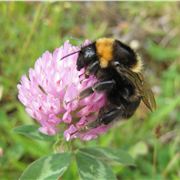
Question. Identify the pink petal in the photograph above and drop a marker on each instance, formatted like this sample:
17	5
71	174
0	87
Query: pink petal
69	132
67	118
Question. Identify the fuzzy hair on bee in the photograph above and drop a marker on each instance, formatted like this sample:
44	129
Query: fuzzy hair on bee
119	72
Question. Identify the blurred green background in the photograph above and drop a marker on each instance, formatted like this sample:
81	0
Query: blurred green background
27	29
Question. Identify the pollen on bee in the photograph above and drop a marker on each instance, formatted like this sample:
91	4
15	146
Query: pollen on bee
104	47
103	63
138	66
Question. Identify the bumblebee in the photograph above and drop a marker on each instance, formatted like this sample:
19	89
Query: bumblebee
119	72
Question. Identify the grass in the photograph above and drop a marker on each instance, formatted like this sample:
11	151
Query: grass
29	28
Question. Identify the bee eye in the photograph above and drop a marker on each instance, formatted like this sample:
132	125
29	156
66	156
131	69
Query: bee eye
89	52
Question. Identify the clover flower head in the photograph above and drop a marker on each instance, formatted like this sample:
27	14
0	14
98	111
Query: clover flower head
49	94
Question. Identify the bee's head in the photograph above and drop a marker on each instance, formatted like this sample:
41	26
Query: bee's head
86	56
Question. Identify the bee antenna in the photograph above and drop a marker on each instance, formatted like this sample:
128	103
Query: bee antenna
70	54
81	46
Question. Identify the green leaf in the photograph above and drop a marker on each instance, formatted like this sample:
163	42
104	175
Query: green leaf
33	132
164	111
140	148
107	154
47	168
91	168
162	54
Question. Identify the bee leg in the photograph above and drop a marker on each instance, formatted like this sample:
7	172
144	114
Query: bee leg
86	93
98	87
111	115
92	68
105	85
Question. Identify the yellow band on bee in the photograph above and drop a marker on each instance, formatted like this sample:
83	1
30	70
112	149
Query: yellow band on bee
104	47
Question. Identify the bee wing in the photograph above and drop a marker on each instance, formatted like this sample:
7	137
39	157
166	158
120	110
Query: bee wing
145	91
142	86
